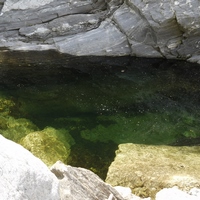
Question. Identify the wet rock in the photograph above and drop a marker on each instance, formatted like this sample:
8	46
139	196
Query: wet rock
17	128
148	169
23	176
49	145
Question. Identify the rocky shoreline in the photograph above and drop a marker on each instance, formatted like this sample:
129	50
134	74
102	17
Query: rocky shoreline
23	176
167	29
164	29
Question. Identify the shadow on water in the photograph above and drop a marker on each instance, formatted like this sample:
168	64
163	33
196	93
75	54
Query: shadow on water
100	102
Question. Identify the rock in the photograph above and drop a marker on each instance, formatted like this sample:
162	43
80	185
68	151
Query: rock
174	194
110	42
148	169
17	128
195	192
79	183
126	193
49	144
168	29
23	176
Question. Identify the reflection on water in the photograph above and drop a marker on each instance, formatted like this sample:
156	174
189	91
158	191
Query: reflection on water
79	109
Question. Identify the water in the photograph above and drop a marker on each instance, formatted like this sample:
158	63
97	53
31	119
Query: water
79	109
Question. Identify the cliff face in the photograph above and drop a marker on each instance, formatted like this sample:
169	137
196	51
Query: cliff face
149	28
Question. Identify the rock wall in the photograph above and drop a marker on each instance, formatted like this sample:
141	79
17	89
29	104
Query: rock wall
166	28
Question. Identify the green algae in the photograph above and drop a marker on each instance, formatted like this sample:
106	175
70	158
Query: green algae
75	114
6	105
50	145
149	128
18	128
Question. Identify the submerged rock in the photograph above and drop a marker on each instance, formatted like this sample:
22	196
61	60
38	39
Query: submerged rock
142	129
23	176
49	145
148	169
15	129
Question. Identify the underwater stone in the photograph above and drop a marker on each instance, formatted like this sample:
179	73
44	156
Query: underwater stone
5	106
23	176
148	169
49	145
142	129
17	128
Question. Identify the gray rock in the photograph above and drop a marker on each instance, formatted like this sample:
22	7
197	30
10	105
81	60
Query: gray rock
168	28
148	169
80	183
111	41
23	176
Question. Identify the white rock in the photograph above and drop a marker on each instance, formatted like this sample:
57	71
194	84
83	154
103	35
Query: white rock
195	192
23	176
174	194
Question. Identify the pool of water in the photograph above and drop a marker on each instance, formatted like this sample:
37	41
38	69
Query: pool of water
78	109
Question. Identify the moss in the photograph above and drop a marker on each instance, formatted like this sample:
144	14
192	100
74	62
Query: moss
6	105
50	145
15	129
147	128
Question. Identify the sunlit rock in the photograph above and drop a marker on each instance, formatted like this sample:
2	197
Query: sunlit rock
175	194
111	41
80	183
148	169
23	176
49	145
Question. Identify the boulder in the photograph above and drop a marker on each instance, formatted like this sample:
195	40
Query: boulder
147	169
79	183
23	176
126	193
167	28
176	194
49	144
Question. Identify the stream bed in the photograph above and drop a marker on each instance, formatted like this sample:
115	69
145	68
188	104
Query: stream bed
79	109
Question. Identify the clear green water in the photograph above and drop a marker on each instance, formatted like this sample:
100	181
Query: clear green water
79	109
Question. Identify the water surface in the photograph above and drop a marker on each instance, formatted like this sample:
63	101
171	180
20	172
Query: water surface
78	109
